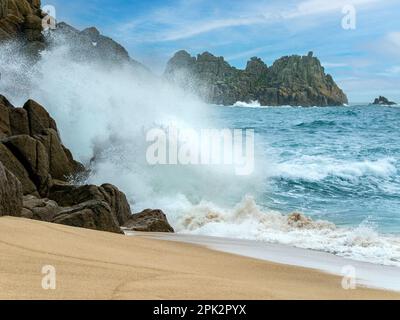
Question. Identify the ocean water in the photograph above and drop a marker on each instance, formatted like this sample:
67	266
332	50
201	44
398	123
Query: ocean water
338	167
340	164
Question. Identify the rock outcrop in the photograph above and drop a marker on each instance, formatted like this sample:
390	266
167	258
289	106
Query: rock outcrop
68	196
90	45
149	221
291	80
36	171
31	148
382	101
39	209
96	215
22	20
10	193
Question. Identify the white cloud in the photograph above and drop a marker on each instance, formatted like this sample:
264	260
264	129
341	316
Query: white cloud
334	64
393	71
313	7
393	40
183	21
207	26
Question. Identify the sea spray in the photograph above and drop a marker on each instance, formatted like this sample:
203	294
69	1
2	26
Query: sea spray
104	112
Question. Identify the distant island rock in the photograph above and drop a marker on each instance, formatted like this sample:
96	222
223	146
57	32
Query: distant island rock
382	101
291	80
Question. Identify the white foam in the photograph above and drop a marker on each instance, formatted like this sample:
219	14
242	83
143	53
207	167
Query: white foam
315	168
104	112
249	221
251	104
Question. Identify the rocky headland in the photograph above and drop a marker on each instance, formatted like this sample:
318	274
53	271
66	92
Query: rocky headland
291	80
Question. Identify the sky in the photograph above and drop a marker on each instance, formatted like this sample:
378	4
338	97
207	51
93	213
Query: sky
357	41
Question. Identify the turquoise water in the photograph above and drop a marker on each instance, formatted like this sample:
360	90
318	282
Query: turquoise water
339	164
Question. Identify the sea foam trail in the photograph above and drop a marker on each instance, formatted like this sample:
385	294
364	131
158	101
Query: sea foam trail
103	114
248	221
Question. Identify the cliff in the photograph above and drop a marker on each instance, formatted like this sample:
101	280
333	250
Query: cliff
291	80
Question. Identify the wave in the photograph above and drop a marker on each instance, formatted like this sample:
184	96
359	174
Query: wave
251	104
103	113
317	168
248	221
316	124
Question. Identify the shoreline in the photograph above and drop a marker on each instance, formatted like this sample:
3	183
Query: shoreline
100	265
369	275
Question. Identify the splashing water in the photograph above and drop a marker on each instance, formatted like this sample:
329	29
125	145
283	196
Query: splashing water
105	111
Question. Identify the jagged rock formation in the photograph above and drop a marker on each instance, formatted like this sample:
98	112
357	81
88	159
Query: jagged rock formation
382	101
36	171
31	147
291	80
22	20
90	45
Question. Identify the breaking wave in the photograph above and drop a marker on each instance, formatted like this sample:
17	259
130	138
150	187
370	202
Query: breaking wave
249	221
103	114
251	104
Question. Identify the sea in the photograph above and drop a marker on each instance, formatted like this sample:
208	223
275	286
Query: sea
337	168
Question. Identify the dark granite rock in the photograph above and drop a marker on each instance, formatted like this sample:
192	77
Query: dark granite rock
382	101
10	193
22	20
39	209
94	215
33	156
149	221
69	195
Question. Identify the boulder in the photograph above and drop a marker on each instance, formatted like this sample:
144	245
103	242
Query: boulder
19	122
39	119
10	193
5	109
39	209
62	165
32	154
149	221
14	166
93	214
70	195
118	203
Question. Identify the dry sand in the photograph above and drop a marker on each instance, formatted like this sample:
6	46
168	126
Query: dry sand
99	265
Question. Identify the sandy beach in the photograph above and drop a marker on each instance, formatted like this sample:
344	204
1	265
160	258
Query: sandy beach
99	265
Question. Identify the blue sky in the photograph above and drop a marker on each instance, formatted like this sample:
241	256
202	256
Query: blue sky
365	61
